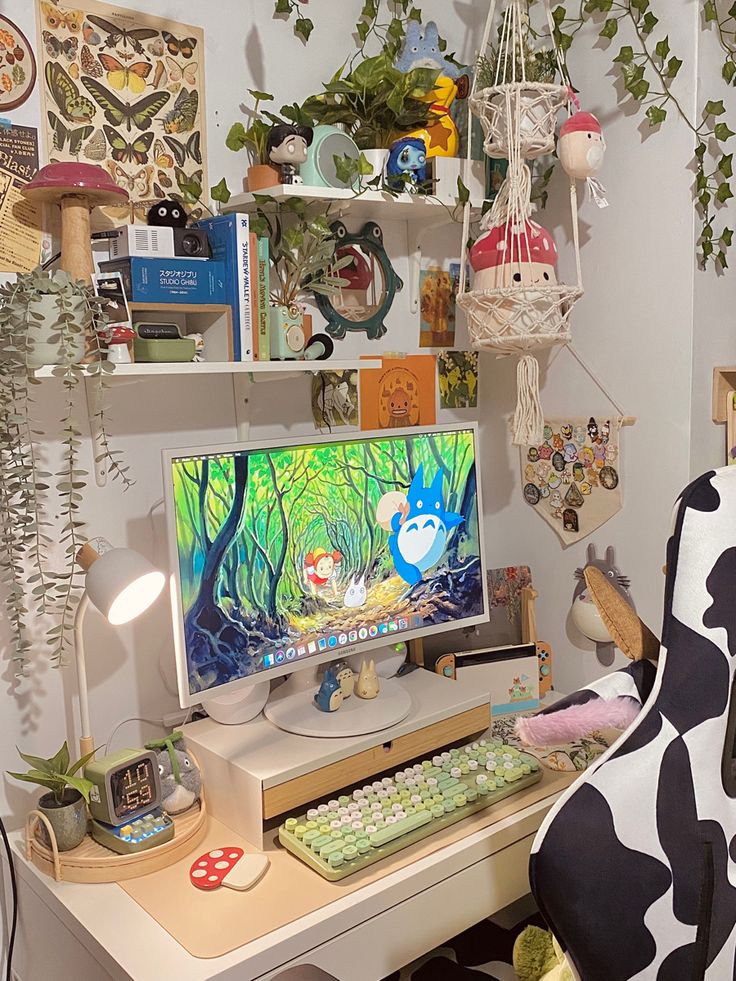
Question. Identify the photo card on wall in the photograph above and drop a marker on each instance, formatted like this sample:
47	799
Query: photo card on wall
125	90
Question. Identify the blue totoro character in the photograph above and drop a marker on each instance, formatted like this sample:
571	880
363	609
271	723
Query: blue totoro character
419	530
421	49
329	697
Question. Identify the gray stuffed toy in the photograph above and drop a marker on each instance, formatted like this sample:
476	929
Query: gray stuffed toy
181	781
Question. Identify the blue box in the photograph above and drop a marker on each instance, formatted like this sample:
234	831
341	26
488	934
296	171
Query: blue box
170	280
229	237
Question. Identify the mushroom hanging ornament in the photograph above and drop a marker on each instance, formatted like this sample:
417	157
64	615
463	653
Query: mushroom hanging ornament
581	148
521	254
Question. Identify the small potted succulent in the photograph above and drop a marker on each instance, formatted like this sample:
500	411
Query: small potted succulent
374	102
261	174
302	253
65	802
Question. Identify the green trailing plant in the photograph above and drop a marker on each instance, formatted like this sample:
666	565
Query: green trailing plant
301	249
57	773
39	509
374	101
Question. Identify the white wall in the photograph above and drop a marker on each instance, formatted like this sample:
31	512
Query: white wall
633	327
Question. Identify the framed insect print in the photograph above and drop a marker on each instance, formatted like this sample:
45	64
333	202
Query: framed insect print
125	90
17	66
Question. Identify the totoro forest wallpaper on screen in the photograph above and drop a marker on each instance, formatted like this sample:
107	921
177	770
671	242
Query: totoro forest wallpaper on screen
287	552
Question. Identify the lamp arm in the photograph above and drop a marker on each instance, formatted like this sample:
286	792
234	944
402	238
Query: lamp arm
86	742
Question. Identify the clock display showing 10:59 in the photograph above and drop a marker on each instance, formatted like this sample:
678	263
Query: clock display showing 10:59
134	788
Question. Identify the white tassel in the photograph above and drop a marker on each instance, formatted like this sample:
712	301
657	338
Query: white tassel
597	192
528	424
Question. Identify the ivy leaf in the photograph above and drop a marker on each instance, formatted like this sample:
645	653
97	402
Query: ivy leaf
625	55
673	67
701	181
709	11
640	5
704	199
282	7
303	27
362	27
721	260
707	232
725	165
722	132
649	22
656	115
714	107
707	249
558	15
724	192
700	151
369	9
732	10
564	41
610	28
220	192
639	90
727	236
463	194
662	48
728	71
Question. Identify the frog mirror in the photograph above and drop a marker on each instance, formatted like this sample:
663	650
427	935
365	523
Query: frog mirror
372	283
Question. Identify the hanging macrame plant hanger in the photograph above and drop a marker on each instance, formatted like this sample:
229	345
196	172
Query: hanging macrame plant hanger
514	317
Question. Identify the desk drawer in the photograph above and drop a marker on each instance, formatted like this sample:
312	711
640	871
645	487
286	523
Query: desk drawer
394	938
353	770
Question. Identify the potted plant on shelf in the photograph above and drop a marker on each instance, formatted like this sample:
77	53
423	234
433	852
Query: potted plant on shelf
375	102
65	803
261	174
44	319
303	261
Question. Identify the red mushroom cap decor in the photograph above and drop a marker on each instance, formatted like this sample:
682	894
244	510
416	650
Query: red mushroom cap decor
580	122
512	242
58	179
211	869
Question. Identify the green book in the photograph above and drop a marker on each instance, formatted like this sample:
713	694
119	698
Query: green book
264	310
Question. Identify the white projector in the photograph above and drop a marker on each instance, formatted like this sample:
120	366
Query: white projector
150	242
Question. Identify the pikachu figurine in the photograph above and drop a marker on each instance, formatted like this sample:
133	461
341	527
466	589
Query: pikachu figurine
367	685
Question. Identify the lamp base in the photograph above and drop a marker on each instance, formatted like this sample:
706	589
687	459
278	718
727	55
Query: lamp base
238	707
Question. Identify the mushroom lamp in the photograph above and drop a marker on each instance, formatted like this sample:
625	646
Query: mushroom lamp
512	255
581	146
122	584
77	188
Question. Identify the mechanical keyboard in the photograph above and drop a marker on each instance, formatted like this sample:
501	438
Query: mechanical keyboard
366	824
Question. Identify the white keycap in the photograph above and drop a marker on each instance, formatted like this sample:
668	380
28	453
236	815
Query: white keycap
437	761
456	772
481	779
334	804
472	764
431	781
312	814
346	820
364	804
323	808
400	815
357	825
382	794
391	819
370	828
416	799
342	811
418	768
396	807
387	782
377	785
336	824
358	794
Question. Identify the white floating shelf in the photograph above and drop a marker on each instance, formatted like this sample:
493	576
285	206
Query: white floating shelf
369	204
190	369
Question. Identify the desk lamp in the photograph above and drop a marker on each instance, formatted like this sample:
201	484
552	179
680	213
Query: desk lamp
122	584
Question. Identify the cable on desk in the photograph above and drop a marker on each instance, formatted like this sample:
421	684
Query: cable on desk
14	892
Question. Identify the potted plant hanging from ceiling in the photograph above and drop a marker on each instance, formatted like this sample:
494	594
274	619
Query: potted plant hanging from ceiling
516	304
45	319
64	805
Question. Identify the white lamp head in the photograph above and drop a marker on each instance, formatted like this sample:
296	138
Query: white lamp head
120	582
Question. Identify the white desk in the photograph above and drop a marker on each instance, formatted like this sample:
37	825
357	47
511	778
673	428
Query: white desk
97	932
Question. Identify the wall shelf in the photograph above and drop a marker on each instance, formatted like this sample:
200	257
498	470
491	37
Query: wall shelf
724	381
370	204
266	369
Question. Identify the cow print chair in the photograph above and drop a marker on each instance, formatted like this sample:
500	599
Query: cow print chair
634	868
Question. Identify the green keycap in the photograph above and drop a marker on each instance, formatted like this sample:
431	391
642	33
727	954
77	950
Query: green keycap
449	806
471	794
450	789
335	859
363	845
437	810
403	827
460	800
300	830
350	852
320	842
310	835
329	849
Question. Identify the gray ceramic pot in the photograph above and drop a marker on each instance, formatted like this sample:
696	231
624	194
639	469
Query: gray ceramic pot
69	819
41	330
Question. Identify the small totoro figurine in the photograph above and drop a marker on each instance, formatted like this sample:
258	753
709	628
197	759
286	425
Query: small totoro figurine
181	781
344	674
329	697
367	685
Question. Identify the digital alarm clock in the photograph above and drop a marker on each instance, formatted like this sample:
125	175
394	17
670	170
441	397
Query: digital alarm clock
124	801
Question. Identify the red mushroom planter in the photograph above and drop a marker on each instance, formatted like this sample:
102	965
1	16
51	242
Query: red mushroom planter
119	339
77	188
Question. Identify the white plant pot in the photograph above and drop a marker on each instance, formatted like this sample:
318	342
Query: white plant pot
445	172
42	351
377	158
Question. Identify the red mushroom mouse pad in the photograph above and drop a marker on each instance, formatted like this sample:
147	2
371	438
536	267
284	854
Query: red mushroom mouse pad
229	867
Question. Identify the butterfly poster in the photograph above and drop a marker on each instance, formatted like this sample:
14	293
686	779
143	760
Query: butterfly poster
572	479
125	90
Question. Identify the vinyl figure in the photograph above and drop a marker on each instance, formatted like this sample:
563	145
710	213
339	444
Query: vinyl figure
367	685
407	156
287	147
329	697
346	677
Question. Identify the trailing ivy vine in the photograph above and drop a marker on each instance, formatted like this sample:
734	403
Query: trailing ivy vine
648	69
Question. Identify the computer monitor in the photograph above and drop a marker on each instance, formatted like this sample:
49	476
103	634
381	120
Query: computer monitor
293	552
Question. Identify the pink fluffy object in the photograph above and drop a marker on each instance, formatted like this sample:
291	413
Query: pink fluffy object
577	721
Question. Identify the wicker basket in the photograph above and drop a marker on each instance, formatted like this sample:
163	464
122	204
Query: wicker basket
519	117
517	320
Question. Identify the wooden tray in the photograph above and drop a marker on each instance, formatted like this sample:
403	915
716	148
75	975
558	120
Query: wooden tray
92	862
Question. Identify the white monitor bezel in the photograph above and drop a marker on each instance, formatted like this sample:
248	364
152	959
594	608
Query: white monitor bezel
187	698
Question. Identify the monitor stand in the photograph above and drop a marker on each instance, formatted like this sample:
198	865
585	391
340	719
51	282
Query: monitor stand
291	707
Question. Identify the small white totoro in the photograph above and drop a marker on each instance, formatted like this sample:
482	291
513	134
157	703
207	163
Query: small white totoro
356	593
